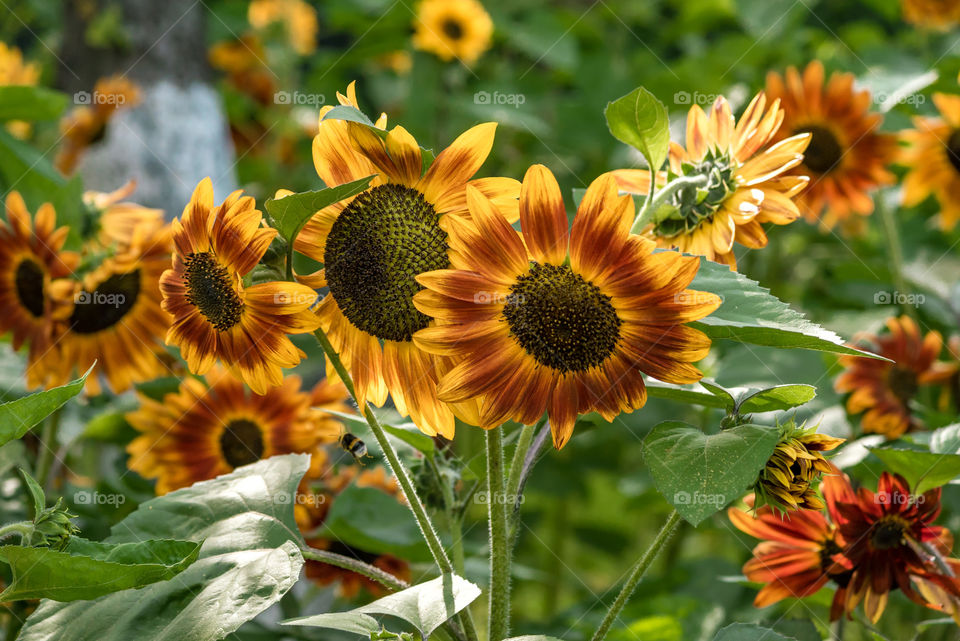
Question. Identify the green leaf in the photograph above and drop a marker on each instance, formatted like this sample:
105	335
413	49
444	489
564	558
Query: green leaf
425	606
685	394
699	474
37	495
11	454
352	114
946	440
923	470
24	102
373	521
87	570
292	212
750	314
352	621
412	436
250	558
110	427
747	400
776	398
640	120
17	417
749	632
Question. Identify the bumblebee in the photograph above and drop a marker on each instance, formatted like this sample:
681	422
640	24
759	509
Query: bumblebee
353	445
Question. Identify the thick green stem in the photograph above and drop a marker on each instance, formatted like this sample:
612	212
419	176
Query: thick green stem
895	251
373	573
636	574
499	551
23	528
519	454
399	471
48	448
645	216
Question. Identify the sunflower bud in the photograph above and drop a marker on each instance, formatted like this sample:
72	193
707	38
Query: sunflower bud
790	478
52	527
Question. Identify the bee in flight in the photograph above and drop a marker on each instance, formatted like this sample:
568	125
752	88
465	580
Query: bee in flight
353	445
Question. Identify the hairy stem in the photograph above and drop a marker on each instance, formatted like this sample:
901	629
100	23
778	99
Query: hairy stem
636	574
23	528
646	215
499	551
385	579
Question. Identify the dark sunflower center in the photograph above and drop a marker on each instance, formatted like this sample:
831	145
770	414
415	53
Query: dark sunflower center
453	29
241	442
29	283
107	305
562	320
824	151
902	382
829	548
953	149
378	245
693	205
888	532
210	290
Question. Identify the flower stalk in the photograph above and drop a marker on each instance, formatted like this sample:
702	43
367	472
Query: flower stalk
650	206
500	554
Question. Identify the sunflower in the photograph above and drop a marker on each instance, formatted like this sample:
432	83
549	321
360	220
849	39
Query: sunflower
374	245
298	18
117	220
449	29
847	156
112	315
216	314
885	389
797	557
31	257
201	432
746	183
312	519
940	15
789	479
933	158
14	71
560	321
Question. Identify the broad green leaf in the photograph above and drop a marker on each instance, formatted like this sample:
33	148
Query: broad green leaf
87	570
250	558
373	521
640	120
699	474
749	632
946	440
684	394
11	454
891	87
776	398
425	606
24	102
17	417
37	495
292	212
750	314
352	621
923	470
406	432
746	400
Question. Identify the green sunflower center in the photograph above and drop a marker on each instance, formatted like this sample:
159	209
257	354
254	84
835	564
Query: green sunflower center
241	442
953	149
902	382
106	305
693	205
210	290
888	532
452	29
560	319
824	151
379	244
29	283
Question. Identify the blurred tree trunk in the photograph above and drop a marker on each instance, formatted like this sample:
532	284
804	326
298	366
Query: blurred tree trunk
178	133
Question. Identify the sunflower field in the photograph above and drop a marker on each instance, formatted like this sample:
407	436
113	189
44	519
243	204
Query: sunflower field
469	320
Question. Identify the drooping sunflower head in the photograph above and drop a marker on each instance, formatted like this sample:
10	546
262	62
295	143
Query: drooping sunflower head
298	18
217	313
560	320
453	29
789	480
201	431
939	15
118	221
932	156
744	182
885	389
847	156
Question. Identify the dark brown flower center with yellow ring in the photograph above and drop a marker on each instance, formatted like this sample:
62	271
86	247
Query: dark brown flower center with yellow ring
106	305
888	532
241	442
953	149
378	245
29	283
902	382
824	151
561	319
210	290
453	29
